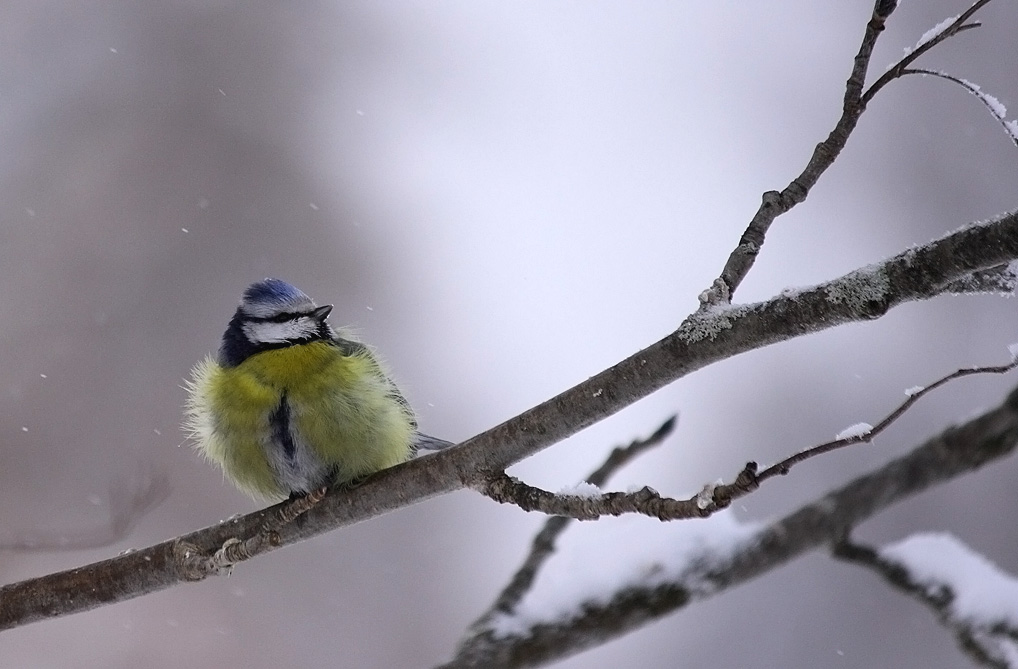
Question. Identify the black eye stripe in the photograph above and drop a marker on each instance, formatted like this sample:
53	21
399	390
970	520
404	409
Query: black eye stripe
278	318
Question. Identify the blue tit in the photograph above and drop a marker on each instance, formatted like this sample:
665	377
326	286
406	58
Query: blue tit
288	406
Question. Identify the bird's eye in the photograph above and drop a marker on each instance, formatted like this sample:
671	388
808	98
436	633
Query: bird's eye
284	317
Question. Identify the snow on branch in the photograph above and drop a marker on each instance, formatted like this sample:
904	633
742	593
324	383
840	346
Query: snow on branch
543	545
942	31
970	595
717	331
995	106
864	432
579	611
999	280
595	564
868	293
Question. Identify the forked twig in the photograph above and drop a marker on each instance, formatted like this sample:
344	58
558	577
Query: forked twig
775	203
898	69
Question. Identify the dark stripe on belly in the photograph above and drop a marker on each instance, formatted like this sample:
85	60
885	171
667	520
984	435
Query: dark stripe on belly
279	421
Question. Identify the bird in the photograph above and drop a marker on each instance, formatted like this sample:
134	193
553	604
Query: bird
288	405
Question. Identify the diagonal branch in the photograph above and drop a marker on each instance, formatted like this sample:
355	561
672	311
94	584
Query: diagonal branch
826	152
703	339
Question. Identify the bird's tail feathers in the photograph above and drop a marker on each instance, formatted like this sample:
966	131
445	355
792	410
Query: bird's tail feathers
423	442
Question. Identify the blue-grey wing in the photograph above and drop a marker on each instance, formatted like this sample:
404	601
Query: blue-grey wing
421	441
350	347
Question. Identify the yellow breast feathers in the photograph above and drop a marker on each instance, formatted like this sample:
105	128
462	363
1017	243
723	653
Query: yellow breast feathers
296	418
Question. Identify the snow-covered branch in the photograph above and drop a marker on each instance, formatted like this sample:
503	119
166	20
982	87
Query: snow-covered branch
543	545
705	559
995	106
969	594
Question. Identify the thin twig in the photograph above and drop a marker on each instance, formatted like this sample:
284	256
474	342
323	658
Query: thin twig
782	467
505	489
775	203
995	109
508	490
898	69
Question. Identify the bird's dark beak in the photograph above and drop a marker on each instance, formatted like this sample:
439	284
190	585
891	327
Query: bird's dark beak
321	313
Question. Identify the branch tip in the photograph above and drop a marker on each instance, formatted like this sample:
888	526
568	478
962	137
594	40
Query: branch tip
666	429
884	9
914	395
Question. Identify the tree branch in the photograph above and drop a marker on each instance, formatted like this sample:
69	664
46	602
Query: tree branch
959	24
702	339
980	640
867	435
999	280
715	332
955	451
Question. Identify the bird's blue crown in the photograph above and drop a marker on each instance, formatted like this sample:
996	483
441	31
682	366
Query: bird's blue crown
274	295
272	290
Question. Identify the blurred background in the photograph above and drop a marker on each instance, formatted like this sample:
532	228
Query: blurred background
503	198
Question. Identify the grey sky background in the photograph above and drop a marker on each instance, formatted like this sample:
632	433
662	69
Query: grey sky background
503	198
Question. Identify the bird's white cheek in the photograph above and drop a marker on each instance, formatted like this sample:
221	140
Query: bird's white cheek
277	333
